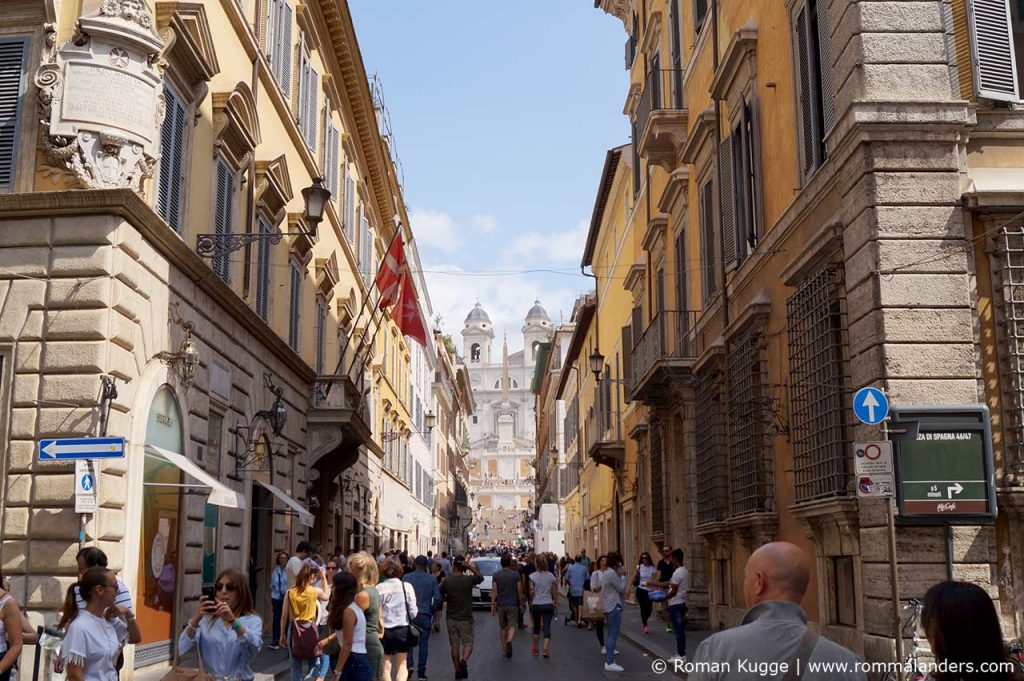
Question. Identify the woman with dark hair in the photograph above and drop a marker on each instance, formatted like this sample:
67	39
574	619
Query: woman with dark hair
300	605
348	624
645	571
597	568
962	626
226	628
95	635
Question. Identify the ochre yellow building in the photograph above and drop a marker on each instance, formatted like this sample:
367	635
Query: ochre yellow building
825	197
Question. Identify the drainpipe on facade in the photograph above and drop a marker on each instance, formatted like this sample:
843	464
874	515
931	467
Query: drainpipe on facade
718	164
250	193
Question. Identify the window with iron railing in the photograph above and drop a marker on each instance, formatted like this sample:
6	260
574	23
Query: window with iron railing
662	90
1008	276
750	418
712	470
819	421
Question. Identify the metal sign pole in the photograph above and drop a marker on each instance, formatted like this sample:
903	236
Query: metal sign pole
890	506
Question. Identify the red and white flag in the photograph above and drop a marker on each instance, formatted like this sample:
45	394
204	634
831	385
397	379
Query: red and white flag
389	278
407	312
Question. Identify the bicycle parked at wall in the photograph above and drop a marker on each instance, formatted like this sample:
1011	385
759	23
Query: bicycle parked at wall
919	647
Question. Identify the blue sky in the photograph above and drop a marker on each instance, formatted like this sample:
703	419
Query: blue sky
502	112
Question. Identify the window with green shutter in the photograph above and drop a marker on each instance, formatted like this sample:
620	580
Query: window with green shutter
13	64
263	273
223	215
173	137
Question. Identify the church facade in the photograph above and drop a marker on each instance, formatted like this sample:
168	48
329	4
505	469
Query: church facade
503	430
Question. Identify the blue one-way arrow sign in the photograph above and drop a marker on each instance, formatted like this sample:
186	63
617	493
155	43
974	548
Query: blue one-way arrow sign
870	406
81	448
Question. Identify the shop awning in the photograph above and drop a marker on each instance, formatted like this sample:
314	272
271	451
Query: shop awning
369	528
220	494
305	517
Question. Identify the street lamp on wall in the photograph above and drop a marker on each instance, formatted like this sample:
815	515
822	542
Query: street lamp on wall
276	417
596	364
220	245
186	360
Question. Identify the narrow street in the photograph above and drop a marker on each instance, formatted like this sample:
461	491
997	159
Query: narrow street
575	655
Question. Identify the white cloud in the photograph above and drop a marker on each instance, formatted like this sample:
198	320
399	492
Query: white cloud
485	222
555	247
435	229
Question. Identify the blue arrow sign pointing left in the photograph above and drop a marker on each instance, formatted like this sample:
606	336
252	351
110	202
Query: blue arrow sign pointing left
81	448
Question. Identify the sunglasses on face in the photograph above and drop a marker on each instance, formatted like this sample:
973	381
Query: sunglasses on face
229	586
332	567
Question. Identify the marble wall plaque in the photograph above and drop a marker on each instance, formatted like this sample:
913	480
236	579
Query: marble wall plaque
105	96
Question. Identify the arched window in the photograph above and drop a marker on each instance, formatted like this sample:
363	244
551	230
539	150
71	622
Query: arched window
536	344
474	352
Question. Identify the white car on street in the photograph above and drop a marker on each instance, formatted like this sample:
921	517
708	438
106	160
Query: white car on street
487	565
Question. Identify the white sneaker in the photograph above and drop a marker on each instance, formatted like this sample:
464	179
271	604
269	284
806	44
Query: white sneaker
603	651
613	667
681	659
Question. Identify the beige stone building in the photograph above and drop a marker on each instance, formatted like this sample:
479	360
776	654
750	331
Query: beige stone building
162	279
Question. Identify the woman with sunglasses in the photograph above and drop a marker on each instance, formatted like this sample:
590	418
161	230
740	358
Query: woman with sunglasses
227	629
95	635
644	574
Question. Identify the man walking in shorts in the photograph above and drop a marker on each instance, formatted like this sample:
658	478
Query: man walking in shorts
506	602
457	590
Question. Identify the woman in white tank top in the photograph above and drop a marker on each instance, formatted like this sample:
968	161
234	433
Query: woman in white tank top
348	625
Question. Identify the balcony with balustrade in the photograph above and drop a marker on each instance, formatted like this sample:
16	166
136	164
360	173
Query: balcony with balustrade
662	118
603	428
663	356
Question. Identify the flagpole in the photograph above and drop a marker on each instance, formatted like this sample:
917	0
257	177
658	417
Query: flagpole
366	299
362	308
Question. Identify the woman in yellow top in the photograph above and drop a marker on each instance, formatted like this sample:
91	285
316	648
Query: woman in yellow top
302	639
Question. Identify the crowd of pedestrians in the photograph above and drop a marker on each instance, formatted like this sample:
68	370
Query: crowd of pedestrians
368	618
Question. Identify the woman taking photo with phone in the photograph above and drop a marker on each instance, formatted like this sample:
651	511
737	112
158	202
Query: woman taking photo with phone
303	638
348	624
227	629
95	635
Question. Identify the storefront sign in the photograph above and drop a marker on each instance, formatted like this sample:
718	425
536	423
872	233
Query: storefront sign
944	466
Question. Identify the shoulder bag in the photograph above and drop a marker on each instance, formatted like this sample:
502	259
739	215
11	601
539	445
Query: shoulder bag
413	637
180	673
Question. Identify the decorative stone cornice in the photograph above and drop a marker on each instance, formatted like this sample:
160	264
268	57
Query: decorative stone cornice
675	199
327	275
273	188
742	46
654	236
617	8
703	131
632	100
302	246
187	39
652	32
635	277
236	124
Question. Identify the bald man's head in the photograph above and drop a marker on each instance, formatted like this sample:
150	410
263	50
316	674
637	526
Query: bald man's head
778	571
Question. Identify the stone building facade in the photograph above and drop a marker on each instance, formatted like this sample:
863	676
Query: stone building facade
827	201
145	137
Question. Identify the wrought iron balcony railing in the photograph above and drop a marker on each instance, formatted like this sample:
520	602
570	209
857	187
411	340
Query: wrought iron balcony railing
670	336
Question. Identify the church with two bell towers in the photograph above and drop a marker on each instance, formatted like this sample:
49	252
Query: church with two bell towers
503	430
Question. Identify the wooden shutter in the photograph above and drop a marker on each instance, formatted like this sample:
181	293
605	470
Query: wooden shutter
806	92
757	197
12	89
263	273
172	159
707	245
995	69
334	146
828	92
321	323
726	174
223	215
627	357
286	49
682	304
307	112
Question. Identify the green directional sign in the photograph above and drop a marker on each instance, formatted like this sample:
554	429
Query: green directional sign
944	464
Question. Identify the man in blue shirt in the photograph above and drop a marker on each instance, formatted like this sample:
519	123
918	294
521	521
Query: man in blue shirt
428	599
575	576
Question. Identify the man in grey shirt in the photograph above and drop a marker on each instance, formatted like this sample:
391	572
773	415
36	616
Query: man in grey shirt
774	631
